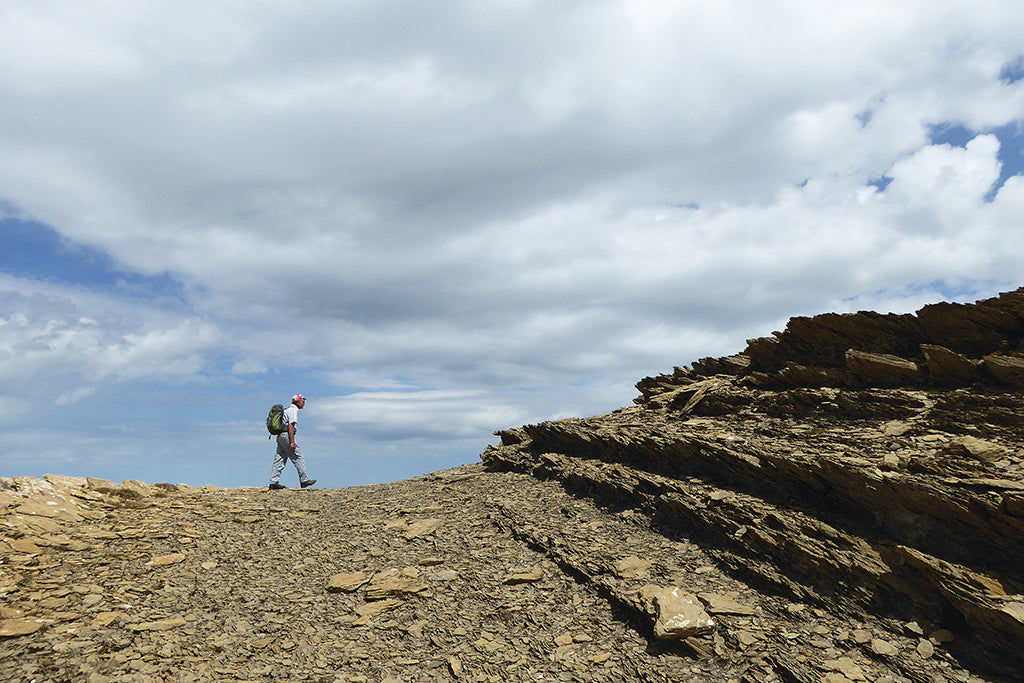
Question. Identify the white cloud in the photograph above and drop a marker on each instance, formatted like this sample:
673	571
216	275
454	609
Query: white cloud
951	181
405	415
59	335
75	395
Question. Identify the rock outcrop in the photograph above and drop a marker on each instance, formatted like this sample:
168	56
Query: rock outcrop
864	464
842	501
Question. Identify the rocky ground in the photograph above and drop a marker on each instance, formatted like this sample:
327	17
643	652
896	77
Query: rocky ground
843	501
461	575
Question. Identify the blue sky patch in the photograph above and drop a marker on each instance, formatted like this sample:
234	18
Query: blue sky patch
1013	71
950	133
37	251
880	183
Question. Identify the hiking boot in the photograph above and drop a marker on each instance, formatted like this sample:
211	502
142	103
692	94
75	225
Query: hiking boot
304	484
275	486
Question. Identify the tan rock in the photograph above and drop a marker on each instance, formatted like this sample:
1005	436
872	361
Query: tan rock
372	609
946	367
136	486
720	604
346	583
10	628
1014	504
28	486
455	666
914	628
483	644
35	524
883	369
159	625
392	582
834	677
632	567
799	375
524	575
25	545
165	560
415	629
106	618
563	639
861	637
61	509
896	428
1007	370
845	666
91	600
101	485
66	483
423	527
747	638
986	451
680	615
99	534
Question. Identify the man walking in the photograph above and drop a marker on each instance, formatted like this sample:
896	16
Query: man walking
287	448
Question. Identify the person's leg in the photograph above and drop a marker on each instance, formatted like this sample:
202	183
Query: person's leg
300	465
280	458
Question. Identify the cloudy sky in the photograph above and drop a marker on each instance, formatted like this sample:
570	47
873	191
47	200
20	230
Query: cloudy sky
439	219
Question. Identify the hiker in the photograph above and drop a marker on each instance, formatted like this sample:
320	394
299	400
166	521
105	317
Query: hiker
287	448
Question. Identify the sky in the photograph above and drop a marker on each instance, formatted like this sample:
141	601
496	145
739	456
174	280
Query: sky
441	219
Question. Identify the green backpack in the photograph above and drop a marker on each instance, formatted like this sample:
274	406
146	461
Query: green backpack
275	420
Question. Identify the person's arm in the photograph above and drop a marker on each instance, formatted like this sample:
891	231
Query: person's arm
291	435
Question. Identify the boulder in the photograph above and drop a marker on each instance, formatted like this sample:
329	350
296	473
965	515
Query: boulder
883	370
949	368
680	614
101	485
1007	370
981	449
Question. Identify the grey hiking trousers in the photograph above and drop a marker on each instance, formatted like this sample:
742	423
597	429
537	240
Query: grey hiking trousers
284	453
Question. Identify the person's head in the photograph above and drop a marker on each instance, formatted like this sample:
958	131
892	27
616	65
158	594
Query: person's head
299	400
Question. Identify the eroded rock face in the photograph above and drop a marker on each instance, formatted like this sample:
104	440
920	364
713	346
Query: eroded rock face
868	465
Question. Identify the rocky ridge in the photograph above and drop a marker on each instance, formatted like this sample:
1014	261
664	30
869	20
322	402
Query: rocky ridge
868	465
842	501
